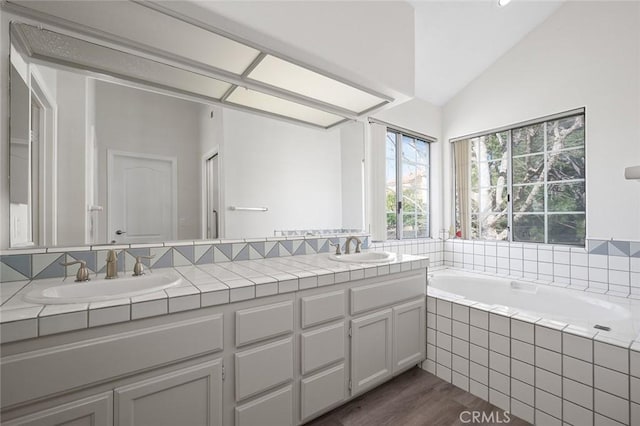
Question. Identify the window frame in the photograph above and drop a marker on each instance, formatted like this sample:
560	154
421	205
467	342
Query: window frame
399	205
510	185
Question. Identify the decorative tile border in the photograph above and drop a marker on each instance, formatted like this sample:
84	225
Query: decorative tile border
542	371
611	267
19	265
314	232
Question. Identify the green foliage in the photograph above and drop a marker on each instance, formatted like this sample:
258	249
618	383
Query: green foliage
549	153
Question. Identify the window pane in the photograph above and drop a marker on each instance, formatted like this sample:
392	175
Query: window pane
492	173
422	149
527	140
565	133
475	224
494	226
566	197
390	187
566	165
567	229
414	188
493	199
490	147
528	227
529	198
528	169
391	225
409	153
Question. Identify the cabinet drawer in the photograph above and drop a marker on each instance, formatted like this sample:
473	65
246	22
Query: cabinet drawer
264	367
322	347
274	409
390	292
322	308
263	322
64	367
322	391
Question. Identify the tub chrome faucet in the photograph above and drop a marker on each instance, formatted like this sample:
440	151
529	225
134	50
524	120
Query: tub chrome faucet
347	245
112	265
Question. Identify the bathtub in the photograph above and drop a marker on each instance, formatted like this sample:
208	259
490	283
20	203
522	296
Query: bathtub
582	309
534	349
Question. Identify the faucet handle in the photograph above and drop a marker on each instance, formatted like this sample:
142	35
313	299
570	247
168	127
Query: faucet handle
138	268
83	272
337	246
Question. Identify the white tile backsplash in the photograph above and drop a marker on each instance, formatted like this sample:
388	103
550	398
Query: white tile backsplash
562	266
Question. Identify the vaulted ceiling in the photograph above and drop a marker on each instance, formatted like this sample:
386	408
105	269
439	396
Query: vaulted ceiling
456	41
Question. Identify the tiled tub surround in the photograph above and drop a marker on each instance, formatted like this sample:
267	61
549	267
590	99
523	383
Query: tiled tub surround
202	286
424	247
44	263
541	370
611	267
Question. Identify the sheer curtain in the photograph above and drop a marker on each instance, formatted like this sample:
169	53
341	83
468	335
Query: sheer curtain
462	158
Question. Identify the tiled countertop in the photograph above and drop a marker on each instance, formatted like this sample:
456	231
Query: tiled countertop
202	286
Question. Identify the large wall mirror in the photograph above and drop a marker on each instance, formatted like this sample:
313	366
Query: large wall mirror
108	147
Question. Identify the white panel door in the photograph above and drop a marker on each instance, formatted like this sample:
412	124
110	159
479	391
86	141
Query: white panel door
191	396
371	354
95	410
142	200
409	335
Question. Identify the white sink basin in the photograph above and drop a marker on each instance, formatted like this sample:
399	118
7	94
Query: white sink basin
368	257
101	290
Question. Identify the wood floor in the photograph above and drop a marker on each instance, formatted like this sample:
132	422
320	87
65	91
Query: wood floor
415	398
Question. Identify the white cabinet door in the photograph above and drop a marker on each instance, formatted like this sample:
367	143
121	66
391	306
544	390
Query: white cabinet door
409	338
191	396
371	355
95	410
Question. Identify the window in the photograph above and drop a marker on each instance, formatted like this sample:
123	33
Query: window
523	184
407	186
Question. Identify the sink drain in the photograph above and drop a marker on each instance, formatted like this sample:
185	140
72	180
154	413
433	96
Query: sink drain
602	327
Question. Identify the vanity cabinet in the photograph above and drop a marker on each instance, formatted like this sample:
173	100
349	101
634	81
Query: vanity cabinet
278	360
389	340
95	410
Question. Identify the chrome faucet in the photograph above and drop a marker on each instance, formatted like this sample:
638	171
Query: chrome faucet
112	265
348	244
